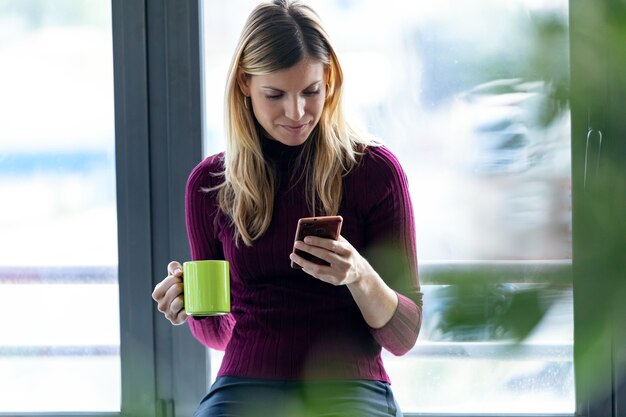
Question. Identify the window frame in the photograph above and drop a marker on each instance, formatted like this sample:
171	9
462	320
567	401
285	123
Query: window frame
158	141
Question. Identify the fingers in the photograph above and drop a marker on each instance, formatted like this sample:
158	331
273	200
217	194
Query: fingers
175	273
172	302
332	251
167	290
176	313
340	254
173	266
321	272
180	318
338	265
341	246
315	251
162	287
169	295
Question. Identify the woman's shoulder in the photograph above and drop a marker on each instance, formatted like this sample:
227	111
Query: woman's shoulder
209	172
381	159
378	178
213	163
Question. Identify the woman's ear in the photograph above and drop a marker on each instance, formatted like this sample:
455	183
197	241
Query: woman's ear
327	75
243	80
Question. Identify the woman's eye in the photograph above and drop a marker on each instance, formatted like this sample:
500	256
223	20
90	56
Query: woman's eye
305	93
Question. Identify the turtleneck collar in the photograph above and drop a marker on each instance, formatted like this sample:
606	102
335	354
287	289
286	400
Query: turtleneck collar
278	153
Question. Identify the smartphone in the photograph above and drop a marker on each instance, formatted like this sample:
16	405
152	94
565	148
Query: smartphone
324	226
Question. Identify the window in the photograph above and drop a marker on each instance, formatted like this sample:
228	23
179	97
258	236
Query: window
157	112
58	270
470	96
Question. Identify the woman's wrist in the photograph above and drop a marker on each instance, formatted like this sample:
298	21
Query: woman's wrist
376	300
364	277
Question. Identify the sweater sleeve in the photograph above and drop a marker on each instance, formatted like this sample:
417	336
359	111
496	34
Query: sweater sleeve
201	210
391	248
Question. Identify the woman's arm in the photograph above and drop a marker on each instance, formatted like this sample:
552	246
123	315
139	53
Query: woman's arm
385	286
391	250
201	209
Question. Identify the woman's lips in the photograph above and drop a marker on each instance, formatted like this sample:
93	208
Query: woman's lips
295	129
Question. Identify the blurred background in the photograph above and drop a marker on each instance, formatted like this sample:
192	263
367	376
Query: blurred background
58	228
473	96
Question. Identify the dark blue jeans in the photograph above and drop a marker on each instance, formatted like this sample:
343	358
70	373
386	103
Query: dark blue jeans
248	397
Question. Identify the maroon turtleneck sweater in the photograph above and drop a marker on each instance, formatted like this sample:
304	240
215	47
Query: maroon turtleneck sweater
285	324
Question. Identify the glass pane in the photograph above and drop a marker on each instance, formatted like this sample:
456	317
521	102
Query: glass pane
471	96
58	270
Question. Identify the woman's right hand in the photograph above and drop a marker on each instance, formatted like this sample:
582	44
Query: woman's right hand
169	294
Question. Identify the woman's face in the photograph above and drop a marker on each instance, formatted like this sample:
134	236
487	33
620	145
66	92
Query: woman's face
288	103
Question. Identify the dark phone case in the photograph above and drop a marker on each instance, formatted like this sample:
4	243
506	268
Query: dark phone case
324	226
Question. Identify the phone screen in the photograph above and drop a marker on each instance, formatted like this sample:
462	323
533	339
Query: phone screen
328	227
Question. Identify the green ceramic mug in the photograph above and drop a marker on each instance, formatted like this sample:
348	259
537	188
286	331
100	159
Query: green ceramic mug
206	287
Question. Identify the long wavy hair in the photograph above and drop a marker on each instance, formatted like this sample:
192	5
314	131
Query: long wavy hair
277	36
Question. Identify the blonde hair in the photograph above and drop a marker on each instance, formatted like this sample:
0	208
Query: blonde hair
276	36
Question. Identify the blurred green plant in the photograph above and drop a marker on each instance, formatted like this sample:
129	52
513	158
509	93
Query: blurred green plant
475	308
599	189
596	95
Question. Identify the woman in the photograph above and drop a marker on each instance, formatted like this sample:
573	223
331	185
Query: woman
308	341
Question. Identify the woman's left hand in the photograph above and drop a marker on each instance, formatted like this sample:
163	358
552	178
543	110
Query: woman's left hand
347	266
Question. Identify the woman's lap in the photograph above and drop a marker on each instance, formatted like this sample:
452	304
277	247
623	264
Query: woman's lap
247	397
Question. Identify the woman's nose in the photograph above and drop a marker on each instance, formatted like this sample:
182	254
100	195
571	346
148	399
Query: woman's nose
295	109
